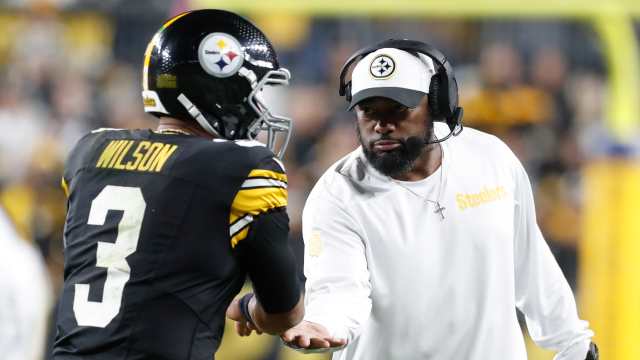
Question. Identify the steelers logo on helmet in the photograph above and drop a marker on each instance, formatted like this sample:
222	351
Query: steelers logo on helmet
220	55
382	66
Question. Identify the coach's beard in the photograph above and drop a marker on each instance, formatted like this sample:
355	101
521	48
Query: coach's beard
397	161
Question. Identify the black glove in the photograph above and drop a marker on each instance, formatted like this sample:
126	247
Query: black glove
592	354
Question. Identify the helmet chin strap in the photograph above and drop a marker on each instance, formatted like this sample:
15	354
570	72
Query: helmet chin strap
197	115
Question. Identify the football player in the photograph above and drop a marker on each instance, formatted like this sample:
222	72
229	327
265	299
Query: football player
163	226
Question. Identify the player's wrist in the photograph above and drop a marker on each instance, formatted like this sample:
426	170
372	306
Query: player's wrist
245	307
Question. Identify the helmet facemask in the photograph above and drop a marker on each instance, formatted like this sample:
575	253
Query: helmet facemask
233	121
278	128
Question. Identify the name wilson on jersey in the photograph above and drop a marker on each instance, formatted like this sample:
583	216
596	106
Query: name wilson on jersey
135	155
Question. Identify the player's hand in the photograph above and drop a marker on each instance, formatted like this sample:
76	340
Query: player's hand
242	326
310	335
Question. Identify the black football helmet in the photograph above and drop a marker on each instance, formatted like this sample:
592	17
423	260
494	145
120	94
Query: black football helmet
210	66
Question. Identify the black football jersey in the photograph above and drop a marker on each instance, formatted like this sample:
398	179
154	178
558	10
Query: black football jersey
154	236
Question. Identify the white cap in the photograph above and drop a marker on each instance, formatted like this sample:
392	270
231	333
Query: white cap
394	74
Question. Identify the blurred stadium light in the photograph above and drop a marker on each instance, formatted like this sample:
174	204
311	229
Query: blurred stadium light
611	19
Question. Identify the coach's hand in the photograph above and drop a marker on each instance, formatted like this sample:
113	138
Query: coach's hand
309	335
242	325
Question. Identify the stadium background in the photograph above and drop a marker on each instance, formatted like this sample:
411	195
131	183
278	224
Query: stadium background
557	80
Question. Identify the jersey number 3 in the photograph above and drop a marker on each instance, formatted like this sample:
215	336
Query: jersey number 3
111	255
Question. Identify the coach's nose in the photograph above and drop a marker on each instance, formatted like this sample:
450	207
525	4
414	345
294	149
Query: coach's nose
384	127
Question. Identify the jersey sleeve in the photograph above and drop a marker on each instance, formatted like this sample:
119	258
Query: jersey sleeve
542	292
338	287
259	232
264	190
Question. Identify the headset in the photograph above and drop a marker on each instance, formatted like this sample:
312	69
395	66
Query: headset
443	89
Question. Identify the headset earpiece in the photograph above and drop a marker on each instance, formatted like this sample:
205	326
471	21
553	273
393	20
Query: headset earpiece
434	97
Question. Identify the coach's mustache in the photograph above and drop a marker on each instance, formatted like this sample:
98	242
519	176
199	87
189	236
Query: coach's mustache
410	143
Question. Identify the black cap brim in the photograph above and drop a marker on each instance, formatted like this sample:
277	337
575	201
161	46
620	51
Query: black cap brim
407	97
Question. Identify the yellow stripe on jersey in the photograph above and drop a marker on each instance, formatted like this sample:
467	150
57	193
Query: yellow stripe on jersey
257	201
239	236
261	173
149	50
254	202
65	187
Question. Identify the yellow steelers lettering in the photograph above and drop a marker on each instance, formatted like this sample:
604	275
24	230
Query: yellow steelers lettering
147	101
462	204
486	195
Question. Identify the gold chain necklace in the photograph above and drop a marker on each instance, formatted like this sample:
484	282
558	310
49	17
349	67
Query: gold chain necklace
172	131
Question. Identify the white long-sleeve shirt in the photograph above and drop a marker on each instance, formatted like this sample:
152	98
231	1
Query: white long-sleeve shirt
25	297
399	282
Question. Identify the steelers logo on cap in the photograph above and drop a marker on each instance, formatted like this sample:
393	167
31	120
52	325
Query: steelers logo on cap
382	66
220	55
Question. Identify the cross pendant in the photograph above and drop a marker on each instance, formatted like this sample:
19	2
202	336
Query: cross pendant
440	210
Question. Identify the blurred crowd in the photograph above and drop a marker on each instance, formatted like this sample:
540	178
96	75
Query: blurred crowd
540	86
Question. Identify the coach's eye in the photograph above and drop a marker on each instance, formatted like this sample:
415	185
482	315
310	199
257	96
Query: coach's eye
367	110
399	108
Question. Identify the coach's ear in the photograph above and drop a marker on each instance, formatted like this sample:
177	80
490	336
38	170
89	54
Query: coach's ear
592	354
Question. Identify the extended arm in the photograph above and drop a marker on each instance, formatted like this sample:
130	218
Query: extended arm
337	289
259	230
542	292
265	253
